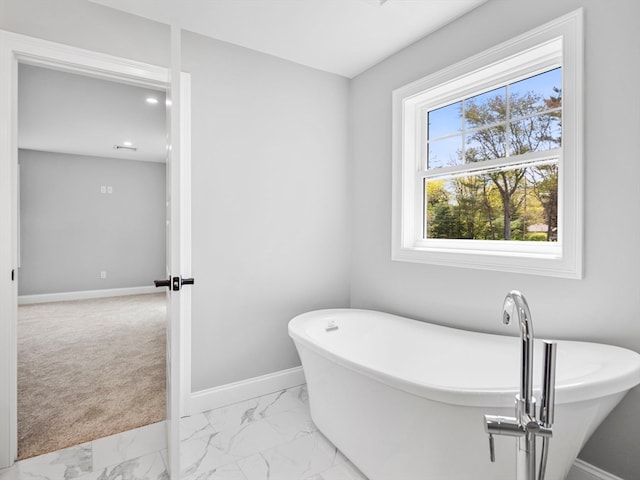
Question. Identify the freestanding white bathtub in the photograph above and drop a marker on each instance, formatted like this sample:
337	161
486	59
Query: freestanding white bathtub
404	400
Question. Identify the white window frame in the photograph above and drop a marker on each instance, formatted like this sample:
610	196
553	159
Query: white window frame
557	43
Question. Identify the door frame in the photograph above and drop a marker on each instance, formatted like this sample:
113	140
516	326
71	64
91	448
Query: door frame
15	49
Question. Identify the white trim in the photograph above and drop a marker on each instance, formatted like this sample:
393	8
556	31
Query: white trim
44	53
506	62
185	240
84	295
15	48
176	299
582	470
231	393
8	252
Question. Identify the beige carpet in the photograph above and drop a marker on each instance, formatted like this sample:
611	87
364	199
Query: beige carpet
88	369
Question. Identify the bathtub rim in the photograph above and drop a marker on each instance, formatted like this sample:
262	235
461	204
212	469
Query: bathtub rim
574	392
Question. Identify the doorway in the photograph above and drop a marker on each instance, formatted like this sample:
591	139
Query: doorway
91	342
15	49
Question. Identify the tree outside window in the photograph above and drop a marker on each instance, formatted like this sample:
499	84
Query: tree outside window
512	201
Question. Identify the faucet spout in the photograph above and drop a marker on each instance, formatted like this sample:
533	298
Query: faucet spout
515	303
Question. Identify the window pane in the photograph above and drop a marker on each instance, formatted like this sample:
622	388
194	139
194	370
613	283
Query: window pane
537	93
444	153
486	144
507	204
536	134
444	121
486	109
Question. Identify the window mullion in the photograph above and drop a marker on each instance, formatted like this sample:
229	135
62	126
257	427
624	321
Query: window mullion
525	158
463	130
507	127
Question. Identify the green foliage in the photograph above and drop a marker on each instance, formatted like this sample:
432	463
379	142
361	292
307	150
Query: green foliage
501	205
536	237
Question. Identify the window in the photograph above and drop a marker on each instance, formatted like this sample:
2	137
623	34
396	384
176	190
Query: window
487	158
491	163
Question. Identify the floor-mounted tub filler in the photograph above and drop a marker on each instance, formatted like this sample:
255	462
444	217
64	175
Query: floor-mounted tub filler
407	400
525	426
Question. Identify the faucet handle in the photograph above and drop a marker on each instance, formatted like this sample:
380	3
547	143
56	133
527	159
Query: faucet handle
492	449
499	425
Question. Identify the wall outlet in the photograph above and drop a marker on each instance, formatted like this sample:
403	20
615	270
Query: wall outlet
109	189
103	189
103	274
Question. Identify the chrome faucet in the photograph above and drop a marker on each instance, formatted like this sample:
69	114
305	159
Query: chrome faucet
524	425
515	302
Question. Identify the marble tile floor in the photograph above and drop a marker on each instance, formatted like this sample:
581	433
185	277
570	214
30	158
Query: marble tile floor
135	454
267	438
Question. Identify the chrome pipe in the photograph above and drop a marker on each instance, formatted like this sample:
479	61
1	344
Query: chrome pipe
548	396
547	400
515	302
544	458
526	457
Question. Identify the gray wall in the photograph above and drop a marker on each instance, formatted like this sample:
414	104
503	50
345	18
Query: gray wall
270	206
244	244
270	186
87	25
70	231
605	305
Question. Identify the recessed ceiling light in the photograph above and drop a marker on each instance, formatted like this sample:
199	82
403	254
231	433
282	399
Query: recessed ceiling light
127	144
152	100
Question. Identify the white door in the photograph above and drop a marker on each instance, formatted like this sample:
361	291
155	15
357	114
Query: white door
16	48
179	278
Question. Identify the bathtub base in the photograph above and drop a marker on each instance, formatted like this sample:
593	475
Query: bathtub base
392	434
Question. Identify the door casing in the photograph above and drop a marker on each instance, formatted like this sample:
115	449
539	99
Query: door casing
15	49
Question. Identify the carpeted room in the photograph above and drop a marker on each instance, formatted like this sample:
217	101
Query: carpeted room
91	328
88	369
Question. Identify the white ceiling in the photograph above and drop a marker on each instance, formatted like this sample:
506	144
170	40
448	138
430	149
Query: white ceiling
344	37
69	113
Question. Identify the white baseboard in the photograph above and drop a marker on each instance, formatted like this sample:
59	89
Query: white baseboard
239	391
66	296
582	470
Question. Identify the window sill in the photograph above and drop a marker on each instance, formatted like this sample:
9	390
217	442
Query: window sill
545	261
